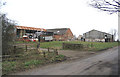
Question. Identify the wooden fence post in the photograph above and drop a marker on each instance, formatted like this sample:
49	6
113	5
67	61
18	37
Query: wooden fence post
44	54
38	45
14	49
56	52
26	48
63	45
48	49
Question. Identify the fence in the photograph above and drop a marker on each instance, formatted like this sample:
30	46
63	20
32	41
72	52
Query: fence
72	46
76	46
28	48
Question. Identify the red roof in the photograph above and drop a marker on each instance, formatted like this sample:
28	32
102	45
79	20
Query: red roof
30	28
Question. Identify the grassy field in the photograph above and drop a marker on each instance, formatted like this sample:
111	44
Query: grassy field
22	60
95	46
92	46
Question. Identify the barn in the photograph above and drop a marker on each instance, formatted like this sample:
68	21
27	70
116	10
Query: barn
61	34
22	30
32	33
95	35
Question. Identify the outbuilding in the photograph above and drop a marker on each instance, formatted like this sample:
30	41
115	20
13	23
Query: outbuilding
95	35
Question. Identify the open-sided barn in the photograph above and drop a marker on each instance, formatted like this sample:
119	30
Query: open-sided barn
22	30
33	33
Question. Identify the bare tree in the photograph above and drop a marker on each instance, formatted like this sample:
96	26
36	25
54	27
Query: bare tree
114	33
111	6
8	32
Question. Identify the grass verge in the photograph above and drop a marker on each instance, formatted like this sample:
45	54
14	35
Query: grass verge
27	60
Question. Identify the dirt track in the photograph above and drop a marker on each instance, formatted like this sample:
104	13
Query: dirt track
104	63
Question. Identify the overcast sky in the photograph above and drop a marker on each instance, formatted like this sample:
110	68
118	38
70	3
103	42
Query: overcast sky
74	14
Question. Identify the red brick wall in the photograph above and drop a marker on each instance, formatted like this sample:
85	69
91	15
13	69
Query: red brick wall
57	37
67	36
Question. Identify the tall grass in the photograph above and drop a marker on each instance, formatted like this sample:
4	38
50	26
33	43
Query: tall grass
27	60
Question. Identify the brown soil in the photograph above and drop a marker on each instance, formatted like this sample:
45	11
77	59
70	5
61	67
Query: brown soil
72	54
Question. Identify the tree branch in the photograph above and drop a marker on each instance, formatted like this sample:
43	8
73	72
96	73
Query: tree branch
104	5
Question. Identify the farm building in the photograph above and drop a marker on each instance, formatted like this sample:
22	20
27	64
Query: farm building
95	35
79	37
22	30
32	33
61	34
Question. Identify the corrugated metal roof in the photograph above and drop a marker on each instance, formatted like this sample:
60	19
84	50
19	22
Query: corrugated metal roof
98	31
30	28
59	31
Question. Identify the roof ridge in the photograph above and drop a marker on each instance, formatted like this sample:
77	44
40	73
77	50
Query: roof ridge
30	28
57	28
99	31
